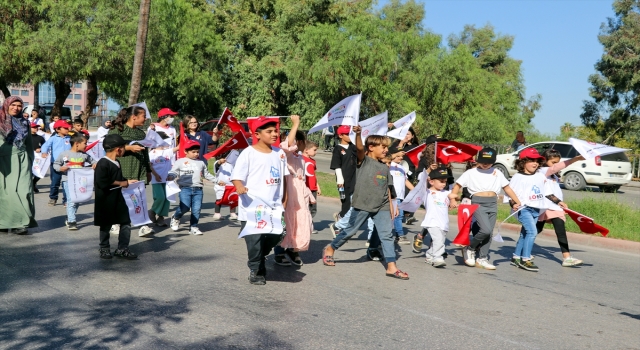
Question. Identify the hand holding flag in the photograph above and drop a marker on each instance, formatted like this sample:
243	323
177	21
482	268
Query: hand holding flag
238	141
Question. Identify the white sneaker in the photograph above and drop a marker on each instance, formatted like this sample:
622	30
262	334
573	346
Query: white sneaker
217	216
485	264
145	231
438	262
115	229
469	256
175	224
429	260
233	216
195	231
571	261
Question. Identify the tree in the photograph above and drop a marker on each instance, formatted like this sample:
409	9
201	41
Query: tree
141	44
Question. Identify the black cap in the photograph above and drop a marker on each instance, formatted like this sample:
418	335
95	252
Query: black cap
112	141
487	156
434	138
439	173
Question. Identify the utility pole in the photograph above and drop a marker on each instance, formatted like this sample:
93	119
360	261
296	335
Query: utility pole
141	44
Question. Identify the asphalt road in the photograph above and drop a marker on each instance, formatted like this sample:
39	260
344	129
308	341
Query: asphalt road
626	194
192	292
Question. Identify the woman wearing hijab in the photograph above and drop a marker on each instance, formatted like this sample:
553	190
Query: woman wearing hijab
16	160
103	130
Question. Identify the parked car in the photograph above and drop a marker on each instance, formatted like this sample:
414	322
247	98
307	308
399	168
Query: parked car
65	113
608	172
209	125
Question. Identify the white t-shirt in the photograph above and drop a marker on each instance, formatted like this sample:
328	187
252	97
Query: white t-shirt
399	176
171	132
477	180
530	189
262	174
554	182
436	204
161	162
223	174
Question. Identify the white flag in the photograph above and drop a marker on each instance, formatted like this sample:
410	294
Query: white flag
402	126
416	197
590	150
232	157
136	199
262	217
346	112
152	140
375	125
173	191
96	152
80	183
40	165
144	106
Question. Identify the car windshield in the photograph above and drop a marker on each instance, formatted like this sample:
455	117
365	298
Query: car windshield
615	157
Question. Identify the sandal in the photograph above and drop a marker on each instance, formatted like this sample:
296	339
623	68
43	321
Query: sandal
327	260
398	275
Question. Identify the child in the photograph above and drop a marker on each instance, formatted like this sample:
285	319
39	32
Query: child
260	169
554	213
484	184
56	144
310	151
436	220
110	206
530	188
343	161
73	158
371	199
37	141
400	182
223	174
188	173
297	218
54	118
160	159
78	126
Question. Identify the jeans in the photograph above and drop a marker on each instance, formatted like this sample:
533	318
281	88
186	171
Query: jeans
382	221
397	222
528	217
190	199
344	223
72	208
54	188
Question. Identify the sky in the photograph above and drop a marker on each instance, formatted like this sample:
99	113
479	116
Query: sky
556	40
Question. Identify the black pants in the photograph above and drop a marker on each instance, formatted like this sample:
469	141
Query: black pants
313	208
123	237
218	207
258	247
561	233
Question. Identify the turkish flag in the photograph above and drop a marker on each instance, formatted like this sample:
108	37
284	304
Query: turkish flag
586	224
254	140
230	120
465	218
182	141
229	198
238	141
414	153
452	151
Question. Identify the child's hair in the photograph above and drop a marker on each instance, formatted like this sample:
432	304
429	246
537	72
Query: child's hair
193	147
124	115
519	163
310	144
387	159
76	138
78	121
376	140
429	153
267	125
470	165
551	153
56	114
300	139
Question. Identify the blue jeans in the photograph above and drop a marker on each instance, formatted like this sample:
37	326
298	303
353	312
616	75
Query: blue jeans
54	188
382	221
344	223
72	208
528	217
190	199
397	222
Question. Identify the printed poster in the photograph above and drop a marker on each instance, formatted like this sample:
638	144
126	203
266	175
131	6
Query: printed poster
136	199
262	217
40	165
80	183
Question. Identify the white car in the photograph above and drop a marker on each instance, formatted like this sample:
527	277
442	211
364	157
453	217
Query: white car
607	172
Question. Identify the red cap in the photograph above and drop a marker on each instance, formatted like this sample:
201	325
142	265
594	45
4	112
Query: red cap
260	121
344	129
85	132
530	153
34	125
191	143
165	112
61	124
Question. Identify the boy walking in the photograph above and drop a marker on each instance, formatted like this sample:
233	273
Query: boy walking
310	150
57	144
436	220
260	170
110	206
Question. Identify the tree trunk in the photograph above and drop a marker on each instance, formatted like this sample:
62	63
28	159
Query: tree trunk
4	88
92	97
36	95
141	44
62	92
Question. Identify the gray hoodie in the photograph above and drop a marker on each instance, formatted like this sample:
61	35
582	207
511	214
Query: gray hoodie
189	172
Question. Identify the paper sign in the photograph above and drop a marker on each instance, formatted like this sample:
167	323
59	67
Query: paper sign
136	199
377	125
590	150
172	191
96	152
80	184
40	165
262	217
402	126
416	197
345	112
151	140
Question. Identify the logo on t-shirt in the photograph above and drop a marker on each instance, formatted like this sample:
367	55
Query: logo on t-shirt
380	177
535	193
275	176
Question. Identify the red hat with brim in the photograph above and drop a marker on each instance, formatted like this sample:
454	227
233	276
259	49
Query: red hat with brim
344	129
85	133
34	125
190	144
530	153
260	121
61	124
166	112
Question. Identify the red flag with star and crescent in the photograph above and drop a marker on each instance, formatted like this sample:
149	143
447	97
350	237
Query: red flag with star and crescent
586	224
229	198
238	141
452	151
181	142
414	153
230	120
465	218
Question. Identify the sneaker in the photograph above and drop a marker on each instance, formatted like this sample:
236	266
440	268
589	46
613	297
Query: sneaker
367	243
105	253
403	240
35	190
52	202
438	262
152	216
485	264
528	265
571	261
314	231
125	254
281	260
336	217
429	260
145	231
417	244
72	226
234	216
294	257
515	261
195	231
373	254
18	231
217	217
411	220
175	224
334	232
115	229
469	256
256	279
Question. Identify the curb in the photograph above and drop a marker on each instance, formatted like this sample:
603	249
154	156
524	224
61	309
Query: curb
619	245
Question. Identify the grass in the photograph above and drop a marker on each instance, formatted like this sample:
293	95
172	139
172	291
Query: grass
621	219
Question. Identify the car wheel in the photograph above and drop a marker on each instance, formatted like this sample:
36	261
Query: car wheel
610	188
502	169
574	181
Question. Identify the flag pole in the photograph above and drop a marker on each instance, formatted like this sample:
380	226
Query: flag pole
435	153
